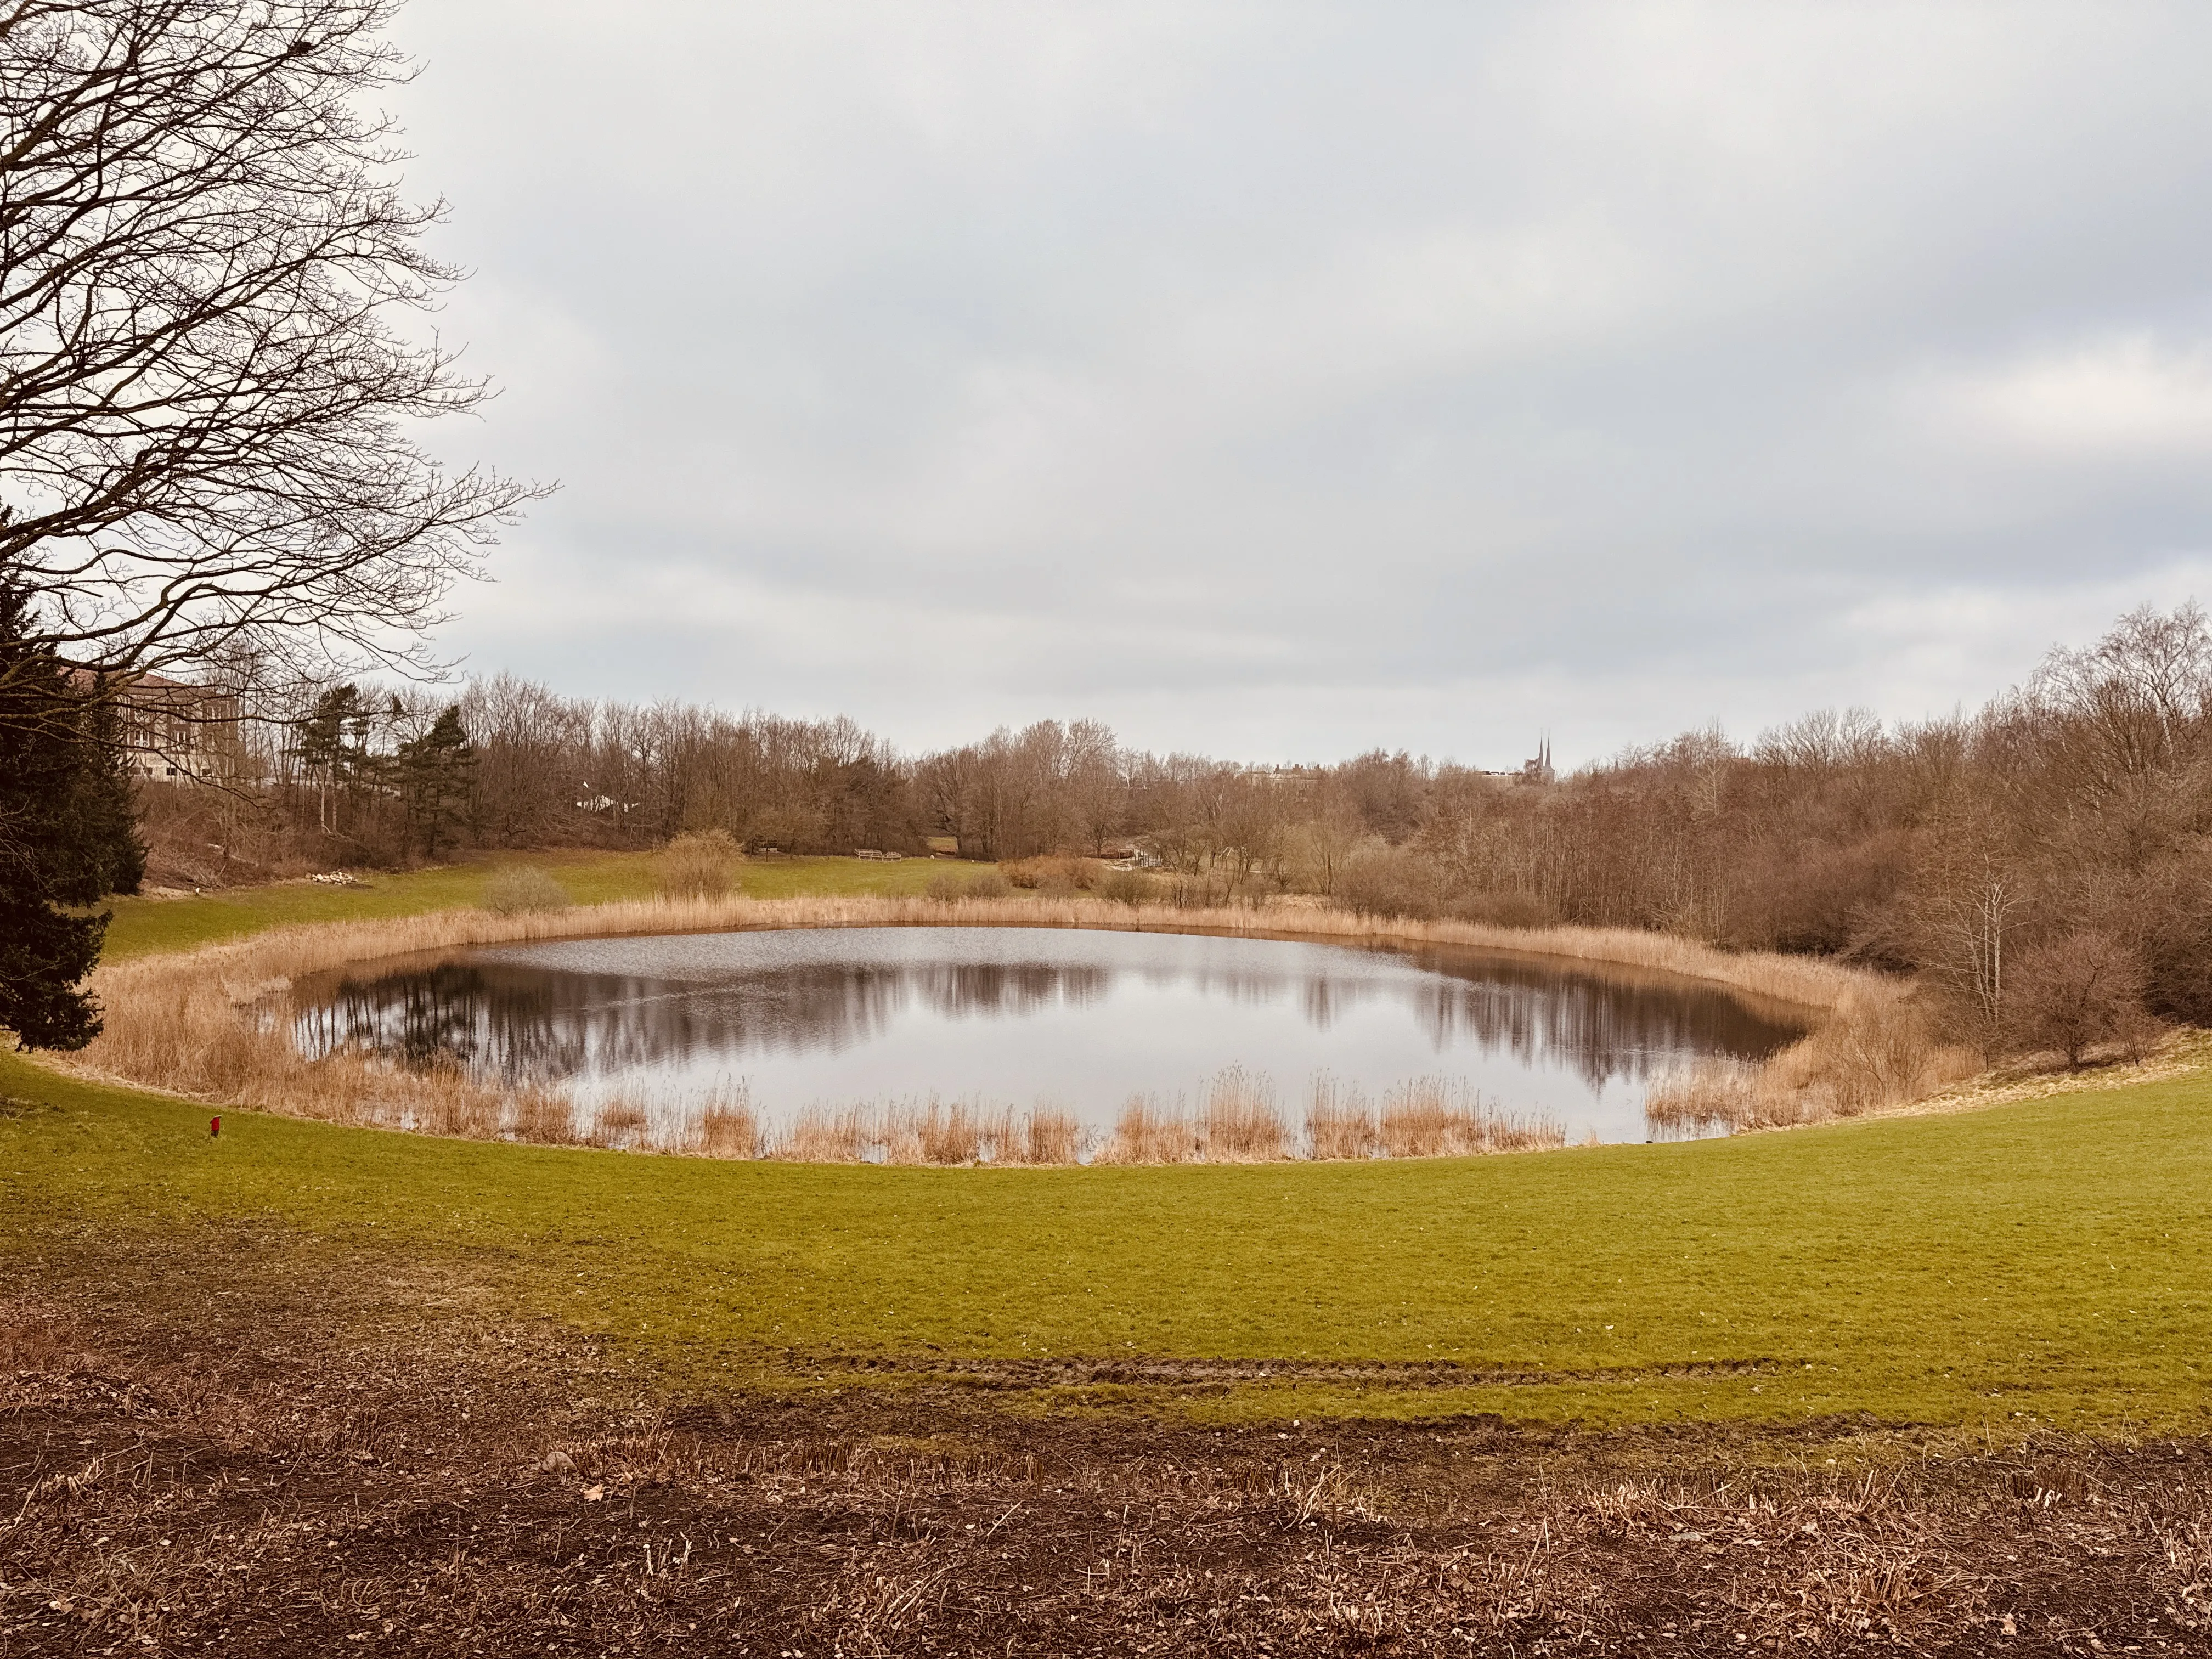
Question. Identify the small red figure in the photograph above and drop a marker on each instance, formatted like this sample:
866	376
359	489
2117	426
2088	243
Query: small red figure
214	1127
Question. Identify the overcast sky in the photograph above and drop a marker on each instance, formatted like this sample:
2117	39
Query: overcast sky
1280	381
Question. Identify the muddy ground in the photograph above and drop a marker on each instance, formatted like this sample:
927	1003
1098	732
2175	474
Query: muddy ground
333	1453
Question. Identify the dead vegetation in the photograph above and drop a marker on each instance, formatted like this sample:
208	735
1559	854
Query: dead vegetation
524	887
728	1127
1442	1117
1236	1123
286	1469
1340	1121
701	866
930	1132
1872	1053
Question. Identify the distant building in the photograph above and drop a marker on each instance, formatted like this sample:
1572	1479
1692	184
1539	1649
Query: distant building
620	809
1538	770
1283	777
173	731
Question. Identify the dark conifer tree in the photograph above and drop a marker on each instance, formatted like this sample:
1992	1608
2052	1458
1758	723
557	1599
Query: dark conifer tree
106	808
435	772
44	950
333	745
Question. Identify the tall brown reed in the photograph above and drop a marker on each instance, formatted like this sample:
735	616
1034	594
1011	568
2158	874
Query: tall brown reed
728	1125
621	1122
1044	1135
1712	1094
445	1101
1048	1135
1238	1123
1443	1117
1146	1133
545	1117
1340	1121
947	1134
1876	1051
826	1135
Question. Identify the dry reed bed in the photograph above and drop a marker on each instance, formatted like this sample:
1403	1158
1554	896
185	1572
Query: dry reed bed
1872	1055
1237	1121
931	1132
187	1024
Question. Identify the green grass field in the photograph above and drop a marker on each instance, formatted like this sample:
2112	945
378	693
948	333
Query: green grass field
2047	1263
2044	1263
142	924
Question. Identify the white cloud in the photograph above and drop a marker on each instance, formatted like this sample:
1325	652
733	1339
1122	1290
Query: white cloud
2120	394
1294	378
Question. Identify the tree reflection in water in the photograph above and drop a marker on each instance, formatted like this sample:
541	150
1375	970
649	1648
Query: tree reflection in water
608	1008
1612	1027
525	1025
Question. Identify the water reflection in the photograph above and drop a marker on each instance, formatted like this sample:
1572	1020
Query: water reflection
1611	1027
1013	1015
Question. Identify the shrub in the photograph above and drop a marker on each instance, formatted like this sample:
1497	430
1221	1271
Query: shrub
1126	887
949	885
522	887
699	866
1390	881
1201	890
1060	874
2074	995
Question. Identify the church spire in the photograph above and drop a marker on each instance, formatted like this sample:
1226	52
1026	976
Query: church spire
1538	770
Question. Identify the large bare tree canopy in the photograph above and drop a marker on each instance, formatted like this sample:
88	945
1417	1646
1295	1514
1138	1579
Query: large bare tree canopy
207	394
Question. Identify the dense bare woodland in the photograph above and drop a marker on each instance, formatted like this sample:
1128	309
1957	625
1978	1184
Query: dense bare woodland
2043	864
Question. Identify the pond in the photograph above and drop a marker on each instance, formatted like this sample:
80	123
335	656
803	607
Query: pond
1066	1021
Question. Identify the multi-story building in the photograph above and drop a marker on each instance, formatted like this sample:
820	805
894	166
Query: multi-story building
174	732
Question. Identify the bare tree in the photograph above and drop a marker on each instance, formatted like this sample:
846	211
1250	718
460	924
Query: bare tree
206	394
1098	791
2134	705
2075	993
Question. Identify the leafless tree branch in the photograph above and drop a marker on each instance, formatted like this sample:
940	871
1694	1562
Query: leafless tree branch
206	400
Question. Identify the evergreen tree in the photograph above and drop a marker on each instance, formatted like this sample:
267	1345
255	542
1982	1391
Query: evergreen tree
436	774
45	951
106	809
334	744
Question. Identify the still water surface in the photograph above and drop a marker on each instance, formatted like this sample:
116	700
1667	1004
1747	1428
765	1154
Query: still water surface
1027	1016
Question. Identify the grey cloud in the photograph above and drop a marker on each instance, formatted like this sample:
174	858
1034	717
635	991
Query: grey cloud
1286	380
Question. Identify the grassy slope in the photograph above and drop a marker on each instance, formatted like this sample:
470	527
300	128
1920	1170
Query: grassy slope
2049	1260
142	924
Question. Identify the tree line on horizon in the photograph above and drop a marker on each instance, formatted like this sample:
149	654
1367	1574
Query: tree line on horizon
2059	831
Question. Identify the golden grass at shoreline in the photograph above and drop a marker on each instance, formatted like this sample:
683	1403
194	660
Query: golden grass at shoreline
187	1023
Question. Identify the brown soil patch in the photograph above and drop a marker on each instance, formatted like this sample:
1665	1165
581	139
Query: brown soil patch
344	1454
